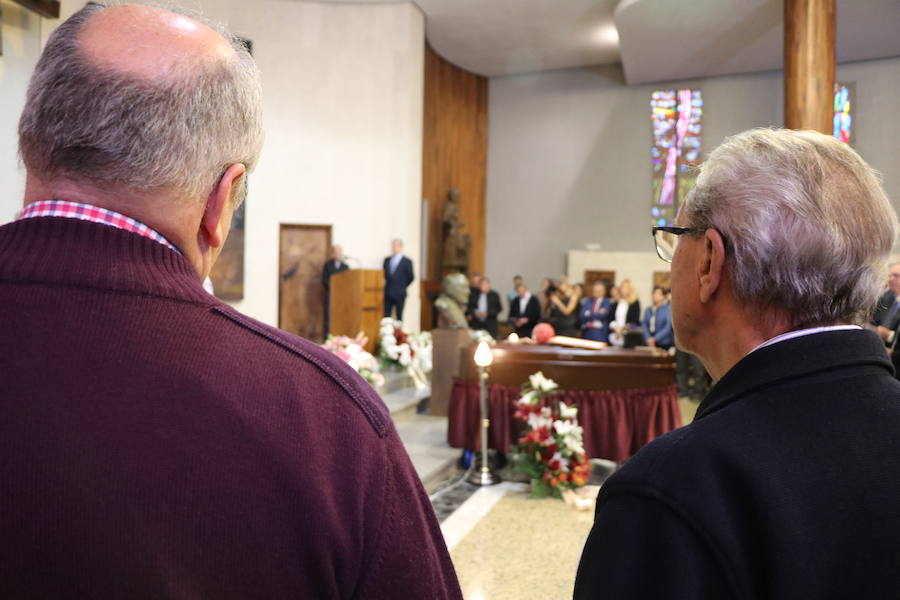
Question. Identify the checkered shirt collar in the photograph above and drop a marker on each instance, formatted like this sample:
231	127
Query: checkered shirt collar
94	214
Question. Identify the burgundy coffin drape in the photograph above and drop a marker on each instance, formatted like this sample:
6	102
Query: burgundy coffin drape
616	422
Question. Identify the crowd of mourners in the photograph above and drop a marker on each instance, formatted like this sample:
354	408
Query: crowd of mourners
157	443
606	312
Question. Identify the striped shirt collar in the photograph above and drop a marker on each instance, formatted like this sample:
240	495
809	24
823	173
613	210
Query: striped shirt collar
94	214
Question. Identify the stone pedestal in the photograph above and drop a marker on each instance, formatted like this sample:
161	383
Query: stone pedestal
445	358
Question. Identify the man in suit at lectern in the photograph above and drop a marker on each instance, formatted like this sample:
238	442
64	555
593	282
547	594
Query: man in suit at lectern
333	266
398	274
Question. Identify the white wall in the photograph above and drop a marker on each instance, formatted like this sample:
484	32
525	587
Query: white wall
343	93
343	90
21	46
569	158
637	266
24	34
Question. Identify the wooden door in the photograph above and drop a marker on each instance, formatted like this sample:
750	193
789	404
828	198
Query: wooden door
607	277
662	279
227	274
303	250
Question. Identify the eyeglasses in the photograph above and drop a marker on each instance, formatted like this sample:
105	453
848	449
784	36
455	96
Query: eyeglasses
666	239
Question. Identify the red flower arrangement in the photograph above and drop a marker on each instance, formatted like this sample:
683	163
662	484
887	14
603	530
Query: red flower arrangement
550	448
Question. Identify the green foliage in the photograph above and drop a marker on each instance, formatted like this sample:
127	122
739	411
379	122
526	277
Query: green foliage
539	489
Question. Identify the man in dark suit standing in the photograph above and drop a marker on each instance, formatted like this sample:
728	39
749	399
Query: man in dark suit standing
886	318
524	312
335	265
398	274
785	485
474	284
484	307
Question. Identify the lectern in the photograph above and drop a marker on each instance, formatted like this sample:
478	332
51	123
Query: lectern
357	303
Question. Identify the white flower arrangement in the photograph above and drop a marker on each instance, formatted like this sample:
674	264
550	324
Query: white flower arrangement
410	351
352	351
542	384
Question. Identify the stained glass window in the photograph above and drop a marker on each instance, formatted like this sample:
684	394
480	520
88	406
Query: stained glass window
676	117
843	117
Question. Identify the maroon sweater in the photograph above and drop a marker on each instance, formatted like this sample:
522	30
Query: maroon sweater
156	443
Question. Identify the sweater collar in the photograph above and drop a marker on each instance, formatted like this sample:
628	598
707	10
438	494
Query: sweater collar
795	358
64	251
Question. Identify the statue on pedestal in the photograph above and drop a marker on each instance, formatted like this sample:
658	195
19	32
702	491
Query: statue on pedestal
456	244
451	304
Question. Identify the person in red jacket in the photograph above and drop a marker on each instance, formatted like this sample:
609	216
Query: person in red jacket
154	442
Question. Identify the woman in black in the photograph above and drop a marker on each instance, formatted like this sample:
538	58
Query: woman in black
564	310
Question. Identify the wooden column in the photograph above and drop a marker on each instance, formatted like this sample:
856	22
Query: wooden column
809	28
454	155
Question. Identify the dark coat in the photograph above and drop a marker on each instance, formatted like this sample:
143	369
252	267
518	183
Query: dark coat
493	309
329	269
595	323
785	486
885	302
532	312
395	283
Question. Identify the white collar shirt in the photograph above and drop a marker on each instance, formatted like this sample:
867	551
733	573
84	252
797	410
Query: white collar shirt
395	261
482	302
801	332
523	303
621	312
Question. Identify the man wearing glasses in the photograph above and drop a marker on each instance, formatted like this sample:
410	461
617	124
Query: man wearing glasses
786	483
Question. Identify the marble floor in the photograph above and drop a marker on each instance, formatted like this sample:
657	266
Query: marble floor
507	545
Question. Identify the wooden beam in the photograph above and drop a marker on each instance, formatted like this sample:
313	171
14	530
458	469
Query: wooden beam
45	8
809	33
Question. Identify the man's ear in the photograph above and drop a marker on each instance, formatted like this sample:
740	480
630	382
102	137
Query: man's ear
713	261
216	217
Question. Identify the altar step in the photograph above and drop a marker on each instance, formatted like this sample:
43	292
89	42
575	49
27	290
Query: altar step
424	436
403	399
394	380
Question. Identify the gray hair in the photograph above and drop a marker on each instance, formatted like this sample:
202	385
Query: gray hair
807	225
84	122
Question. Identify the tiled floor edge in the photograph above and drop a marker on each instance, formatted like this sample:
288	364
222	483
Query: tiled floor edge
460	523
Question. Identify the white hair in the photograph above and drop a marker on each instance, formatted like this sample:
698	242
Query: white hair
84	122
807	226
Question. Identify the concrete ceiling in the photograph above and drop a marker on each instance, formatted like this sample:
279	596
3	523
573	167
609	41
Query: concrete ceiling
666	39
655	40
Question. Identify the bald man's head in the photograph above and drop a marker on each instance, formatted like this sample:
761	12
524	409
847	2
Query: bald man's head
141	97
150	43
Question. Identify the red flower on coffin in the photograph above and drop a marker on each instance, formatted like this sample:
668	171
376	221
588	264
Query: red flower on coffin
542	332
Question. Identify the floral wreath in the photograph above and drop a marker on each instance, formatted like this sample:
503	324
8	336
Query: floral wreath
400	348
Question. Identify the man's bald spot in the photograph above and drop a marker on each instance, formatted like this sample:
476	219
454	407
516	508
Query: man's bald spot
149	42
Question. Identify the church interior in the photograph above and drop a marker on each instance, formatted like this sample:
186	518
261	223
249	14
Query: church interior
493	140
